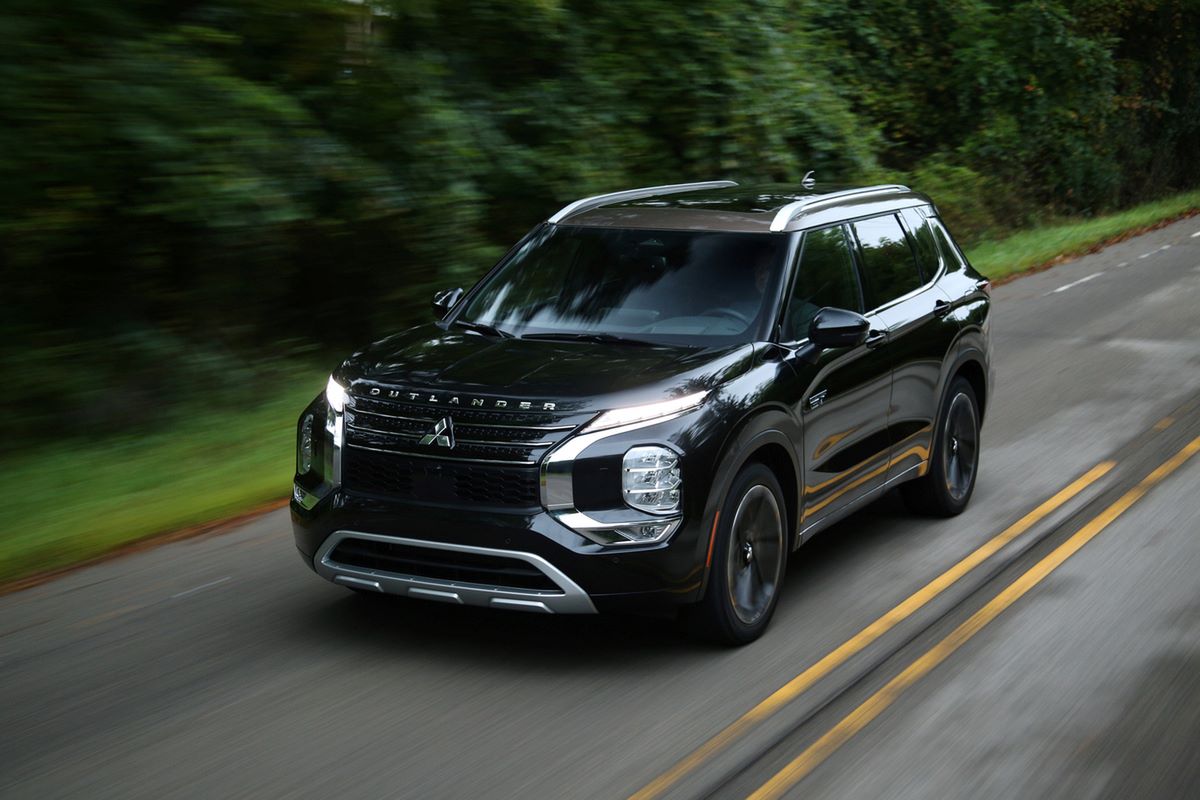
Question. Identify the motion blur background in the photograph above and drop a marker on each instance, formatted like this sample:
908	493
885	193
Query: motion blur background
205	203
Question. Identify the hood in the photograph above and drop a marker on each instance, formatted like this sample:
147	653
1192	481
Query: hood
577	376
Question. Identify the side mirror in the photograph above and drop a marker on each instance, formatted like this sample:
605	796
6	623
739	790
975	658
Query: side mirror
837	327
445	300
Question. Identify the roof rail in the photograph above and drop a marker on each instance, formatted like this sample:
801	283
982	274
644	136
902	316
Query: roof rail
793	210
588	203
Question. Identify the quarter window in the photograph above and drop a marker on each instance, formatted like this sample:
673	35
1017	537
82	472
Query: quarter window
950	251
825	278
887	259
923	243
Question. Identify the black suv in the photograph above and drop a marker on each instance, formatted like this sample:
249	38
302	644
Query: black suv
654	398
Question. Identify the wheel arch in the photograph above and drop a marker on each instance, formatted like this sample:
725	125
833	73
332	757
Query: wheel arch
767	437
972	370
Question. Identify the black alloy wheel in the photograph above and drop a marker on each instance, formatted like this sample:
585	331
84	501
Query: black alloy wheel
749	560
946	488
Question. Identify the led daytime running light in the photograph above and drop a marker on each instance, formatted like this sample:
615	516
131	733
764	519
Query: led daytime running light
634	414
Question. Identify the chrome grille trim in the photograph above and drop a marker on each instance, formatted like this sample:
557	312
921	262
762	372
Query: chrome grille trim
436	457
459	439
513	437
431	420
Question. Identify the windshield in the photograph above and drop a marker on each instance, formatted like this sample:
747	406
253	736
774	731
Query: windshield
668	287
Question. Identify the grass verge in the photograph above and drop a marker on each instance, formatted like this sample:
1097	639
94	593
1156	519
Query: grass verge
1046	245
78	501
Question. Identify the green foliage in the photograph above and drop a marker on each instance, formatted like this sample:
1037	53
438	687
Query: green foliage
193	190
79	500
1018	252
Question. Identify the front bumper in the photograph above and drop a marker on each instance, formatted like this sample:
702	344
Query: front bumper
569	598
586	577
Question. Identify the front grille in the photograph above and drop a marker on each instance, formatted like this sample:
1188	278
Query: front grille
516	438
443	565
493	461
395	476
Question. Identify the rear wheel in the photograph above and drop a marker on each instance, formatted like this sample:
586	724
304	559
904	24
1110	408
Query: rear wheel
946	488
748	560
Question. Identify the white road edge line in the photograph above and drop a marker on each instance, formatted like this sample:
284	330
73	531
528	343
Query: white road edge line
1075	283
201	587
1194	235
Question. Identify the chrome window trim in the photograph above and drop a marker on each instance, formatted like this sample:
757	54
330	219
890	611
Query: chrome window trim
912	292
600	200
572	599
797	261
926	211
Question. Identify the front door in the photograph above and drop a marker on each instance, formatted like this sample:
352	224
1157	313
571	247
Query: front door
841	395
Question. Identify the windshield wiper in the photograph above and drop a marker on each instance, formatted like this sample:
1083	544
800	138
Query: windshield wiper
484	328
603	338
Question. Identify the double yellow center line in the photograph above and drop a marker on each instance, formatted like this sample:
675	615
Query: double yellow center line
802	682
860	717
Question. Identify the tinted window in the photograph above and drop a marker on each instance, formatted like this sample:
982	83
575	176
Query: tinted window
825	277
949	250
924	245
672	287
887	259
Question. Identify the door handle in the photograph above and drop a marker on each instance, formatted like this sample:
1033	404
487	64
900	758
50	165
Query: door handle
875	338
941	308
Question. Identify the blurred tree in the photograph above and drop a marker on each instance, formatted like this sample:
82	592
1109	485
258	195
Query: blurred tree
193	190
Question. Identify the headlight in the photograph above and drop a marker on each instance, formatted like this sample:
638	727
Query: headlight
335	395
651	479
651	411
306	446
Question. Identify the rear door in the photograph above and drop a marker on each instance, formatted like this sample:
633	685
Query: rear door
905	301
842	394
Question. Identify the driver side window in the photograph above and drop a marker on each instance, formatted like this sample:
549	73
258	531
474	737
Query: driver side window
825	277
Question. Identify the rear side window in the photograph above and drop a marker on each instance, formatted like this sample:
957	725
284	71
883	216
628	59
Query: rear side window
923	242
888	261
949	249
825	277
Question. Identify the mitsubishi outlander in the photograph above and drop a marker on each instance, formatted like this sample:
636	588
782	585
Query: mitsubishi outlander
653	399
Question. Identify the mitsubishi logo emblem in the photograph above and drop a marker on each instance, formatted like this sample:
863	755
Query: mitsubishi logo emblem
442	434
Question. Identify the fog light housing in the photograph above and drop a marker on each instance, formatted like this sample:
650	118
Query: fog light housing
647	532
651	480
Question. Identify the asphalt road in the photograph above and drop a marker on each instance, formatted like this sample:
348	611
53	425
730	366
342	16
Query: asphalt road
1066	663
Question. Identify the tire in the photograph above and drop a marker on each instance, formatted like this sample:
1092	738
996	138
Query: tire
748	563
946	488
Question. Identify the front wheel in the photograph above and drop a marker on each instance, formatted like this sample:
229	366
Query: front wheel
946	488
748	560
